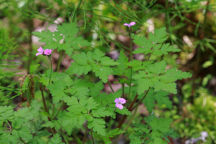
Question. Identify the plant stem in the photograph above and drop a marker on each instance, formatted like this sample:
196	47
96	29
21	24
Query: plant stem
45	108
110	86
44	101
205	16
92	137
130	109
130	58
140	101
30	29
123	95
167	16
31	88
131	119
130	83
51	69
60	60
76	9
64	137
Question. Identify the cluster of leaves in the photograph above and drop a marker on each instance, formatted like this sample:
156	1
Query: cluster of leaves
8	90
73	103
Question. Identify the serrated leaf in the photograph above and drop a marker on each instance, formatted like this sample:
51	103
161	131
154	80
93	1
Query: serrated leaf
102	112
95	89
162	98
102	72
6	113
98	126
123	111
143	85
64	38
78	69
159	124
56	139
149	100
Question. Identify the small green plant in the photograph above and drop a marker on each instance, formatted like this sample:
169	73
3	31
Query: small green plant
72	106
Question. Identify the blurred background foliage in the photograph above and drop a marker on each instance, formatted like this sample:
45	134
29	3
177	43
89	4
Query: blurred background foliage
191	26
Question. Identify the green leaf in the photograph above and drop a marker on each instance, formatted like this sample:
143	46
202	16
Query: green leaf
143	85
154	44
98	126
102	72
159	124
157	68
95	61
160	97
135	139
25	134
78	69
95	89
158	36
123	111
102	112
59	82
56	139
64	38
149	100
6	113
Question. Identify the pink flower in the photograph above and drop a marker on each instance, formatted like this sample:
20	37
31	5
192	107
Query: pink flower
47	51
119	102
130	24
40	51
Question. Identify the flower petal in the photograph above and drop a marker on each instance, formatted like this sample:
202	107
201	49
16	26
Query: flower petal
117	100
132	23
122	100
38	54
40	50
119	106
47	51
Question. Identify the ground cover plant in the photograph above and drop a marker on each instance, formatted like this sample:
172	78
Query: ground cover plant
73	101
127	71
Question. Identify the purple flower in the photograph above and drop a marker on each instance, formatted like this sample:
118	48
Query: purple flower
130	24
47	51
119	102
40	51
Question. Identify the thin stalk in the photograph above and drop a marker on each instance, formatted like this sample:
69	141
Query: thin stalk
60	60
205	15
110	86
51	69
167	17
123	92
129	122
92	137
31	87
64	137
59	109
76	9
130	83
130	109
44	101
30	55
141	100
130	58
85	134
131	119
22	140
45	108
